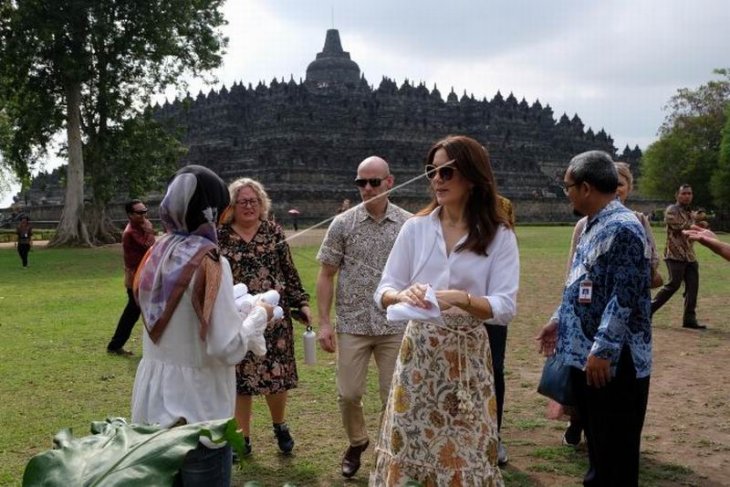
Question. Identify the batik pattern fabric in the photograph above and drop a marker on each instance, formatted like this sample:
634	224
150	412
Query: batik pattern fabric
679	247
358	245
614	256
440	424
262	264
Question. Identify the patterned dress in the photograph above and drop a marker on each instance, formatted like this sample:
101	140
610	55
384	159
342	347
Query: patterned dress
440	425
265	263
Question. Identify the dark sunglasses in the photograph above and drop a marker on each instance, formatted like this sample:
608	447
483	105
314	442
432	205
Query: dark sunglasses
362	182
139	212
444	172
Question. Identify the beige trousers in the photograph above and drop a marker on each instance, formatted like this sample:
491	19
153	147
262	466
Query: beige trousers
353	357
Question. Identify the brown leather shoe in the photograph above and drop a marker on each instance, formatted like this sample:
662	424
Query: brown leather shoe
351	460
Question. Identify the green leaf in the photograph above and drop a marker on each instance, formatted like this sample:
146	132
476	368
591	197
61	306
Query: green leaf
121	454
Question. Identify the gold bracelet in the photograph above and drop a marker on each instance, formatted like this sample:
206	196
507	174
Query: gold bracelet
468	299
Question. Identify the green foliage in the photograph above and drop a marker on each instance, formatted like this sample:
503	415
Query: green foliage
689	144
720	182
121	454
114	54
138	156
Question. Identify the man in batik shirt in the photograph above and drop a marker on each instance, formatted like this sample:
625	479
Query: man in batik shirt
357	246
679	255
603	327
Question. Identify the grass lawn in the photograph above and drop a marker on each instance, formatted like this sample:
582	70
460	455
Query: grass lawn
57	316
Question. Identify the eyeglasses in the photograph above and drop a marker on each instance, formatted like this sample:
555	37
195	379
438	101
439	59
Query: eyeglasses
253	202
139	212
444	172
362	182
566	187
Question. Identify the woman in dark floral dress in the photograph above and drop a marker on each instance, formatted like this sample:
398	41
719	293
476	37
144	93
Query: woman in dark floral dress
260	258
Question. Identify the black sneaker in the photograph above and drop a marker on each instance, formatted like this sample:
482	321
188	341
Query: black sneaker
247	449
572	436
120	351
283	438
694	325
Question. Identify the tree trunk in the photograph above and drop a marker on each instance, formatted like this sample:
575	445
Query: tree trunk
71	229
101	228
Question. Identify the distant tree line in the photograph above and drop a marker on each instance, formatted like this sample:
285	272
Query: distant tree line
693	147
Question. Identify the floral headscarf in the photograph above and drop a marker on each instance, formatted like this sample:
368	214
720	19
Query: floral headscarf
189	212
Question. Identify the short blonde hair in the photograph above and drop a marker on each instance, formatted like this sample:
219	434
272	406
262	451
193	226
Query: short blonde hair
625	170
257	188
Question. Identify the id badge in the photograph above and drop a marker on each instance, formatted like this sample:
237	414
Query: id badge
585	291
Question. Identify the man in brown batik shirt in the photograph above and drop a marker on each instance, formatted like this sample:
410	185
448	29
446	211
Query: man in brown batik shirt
680	258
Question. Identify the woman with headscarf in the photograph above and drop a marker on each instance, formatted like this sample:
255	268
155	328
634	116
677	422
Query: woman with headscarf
456	265
194	334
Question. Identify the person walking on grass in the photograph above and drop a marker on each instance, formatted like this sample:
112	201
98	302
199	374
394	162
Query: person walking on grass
454	265
25	239
137	238
679	255
356	246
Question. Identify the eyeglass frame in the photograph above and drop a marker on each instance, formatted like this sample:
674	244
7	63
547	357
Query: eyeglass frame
445	172
373	182
248	202
566	187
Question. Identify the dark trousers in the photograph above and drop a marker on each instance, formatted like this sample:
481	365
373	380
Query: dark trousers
23	250
205	467
129	317
680	271
613	417
498	344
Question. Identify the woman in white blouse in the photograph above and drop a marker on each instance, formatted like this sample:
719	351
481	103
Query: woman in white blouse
194	335
440	425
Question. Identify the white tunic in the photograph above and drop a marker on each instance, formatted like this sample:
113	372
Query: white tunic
419	256
183	377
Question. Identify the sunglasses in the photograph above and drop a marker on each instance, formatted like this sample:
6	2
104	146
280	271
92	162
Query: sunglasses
444	172
362	182
139	212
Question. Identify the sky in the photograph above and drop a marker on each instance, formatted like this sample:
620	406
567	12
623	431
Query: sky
615	64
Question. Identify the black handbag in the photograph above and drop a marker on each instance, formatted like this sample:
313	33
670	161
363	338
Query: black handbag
555	381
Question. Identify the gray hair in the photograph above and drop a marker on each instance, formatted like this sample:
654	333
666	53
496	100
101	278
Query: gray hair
257	188
596	168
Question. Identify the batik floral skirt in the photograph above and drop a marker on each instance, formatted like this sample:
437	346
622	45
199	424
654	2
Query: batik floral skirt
440	424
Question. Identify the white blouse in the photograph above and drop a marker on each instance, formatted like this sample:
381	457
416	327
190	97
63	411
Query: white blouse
182	376
419	256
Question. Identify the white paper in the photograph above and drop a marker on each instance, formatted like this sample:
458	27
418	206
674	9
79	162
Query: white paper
405	311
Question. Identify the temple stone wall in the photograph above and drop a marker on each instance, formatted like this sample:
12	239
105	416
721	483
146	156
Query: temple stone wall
303	140
527	210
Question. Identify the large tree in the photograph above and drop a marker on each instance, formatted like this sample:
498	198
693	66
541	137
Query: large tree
688	147
90	67
720	182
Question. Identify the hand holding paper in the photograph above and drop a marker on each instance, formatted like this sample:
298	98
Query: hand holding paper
405	311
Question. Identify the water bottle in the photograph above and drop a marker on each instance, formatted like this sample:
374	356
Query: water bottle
310	346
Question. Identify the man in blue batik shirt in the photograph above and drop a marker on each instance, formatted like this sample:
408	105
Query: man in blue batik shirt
602	328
